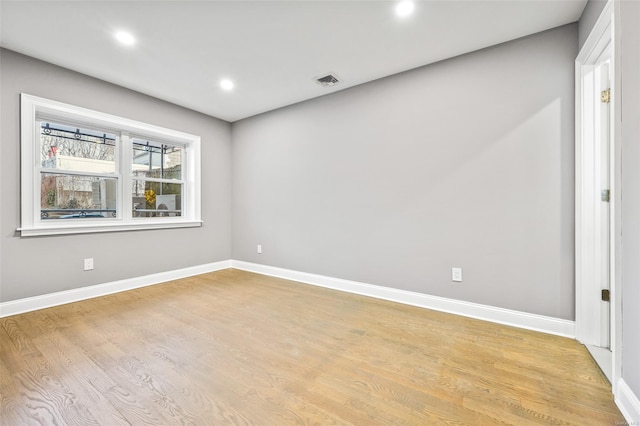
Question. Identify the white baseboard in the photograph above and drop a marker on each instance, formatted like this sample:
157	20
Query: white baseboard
524	320
60	298
628	403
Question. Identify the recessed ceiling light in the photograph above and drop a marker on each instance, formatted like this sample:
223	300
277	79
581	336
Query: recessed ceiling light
405	8
125	38
226	84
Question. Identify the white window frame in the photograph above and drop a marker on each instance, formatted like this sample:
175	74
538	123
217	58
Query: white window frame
34	109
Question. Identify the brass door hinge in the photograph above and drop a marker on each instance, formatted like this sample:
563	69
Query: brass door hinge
606	295
605	96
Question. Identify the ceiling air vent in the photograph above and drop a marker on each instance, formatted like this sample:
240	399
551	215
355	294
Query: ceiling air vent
328	80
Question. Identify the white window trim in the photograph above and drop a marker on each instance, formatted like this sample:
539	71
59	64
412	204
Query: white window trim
31	223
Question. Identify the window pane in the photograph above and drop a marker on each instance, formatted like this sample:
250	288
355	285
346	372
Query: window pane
156	160
72	197
156	199
78	149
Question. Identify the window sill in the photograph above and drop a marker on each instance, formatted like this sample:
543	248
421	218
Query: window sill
104	227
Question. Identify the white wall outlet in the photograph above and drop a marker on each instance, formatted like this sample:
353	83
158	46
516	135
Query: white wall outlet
456	274
88	264
259	249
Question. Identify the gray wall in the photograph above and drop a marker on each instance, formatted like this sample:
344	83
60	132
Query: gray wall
40	265
468	163
630	90
590	15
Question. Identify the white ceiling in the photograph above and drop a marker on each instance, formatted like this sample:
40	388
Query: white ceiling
272	50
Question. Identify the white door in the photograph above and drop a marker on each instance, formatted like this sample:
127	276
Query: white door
598	159
593	219
603	178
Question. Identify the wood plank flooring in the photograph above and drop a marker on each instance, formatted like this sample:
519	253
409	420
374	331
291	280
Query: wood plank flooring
235	348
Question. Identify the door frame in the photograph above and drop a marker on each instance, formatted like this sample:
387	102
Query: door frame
587	192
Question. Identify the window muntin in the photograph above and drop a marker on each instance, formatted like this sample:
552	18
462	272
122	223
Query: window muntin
156	160
78	149
157	179
67	196
77	164
156	199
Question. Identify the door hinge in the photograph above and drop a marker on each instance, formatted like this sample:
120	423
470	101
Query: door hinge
606	295
605	195
605	96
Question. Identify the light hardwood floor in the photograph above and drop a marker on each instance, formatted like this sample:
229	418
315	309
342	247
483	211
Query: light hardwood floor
232	347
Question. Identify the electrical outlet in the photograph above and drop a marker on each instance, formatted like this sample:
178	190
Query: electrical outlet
259	249
88	264
456	274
